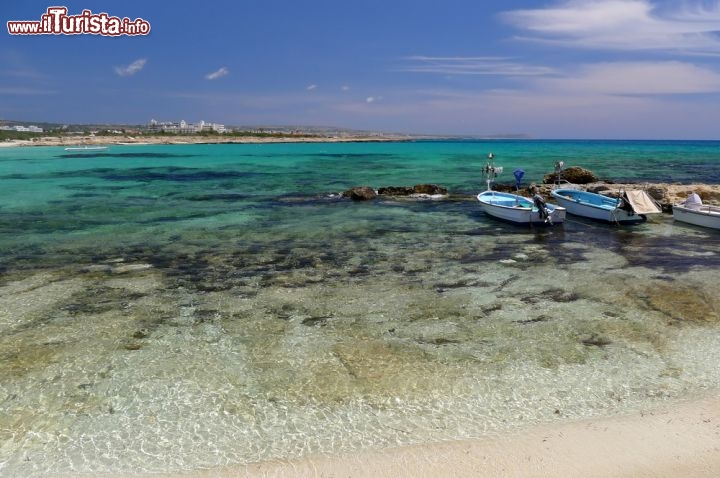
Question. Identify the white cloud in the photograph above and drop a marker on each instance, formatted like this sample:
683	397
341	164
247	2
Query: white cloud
311	87
132	68
217	74
629	25
345	88
562	115
636	78
483	65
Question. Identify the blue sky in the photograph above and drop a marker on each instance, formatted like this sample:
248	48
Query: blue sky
549	69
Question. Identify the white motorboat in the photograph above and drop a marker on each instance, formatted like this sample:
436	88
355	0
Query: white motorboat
700	215
513	207
82	149
519	209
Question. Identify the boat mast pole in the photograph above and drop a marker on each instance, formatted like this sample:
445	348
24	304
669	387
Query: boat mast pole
559	165
490	171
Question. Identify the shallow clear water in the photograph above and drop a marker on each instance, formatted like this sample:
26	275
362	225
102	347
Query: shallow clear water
167	308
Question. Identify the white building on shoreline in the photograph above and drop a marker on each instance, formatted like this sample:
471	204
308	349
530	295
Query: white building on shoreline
22	129
184	127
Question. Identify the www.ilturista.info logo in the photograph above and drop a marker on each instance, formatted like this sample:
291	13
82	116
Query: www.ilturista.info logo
57	22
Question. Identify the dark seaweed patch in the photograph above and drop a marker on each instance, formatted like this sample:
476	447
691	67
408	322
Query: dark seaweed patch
94	172
97	300
534	320
229	197
166	219
43	223
354	155
438	341
443	286
188	175
316	321
126	155
595	340
87	195
148	174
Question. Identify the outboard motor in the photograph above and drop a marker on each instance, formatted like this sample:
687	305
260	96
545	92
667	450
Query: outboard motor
541	205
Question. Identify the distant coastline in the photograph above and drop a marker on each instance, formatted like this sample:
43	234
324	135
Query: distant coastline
66	141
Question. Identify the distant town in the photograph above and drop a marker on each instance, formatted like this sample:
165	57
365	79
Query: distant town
184	127
21	133
173	127
22	129
18	133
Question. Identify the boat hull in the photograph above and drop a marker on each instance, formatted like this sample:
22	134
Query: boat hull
517	209
704	216
595	206
77	149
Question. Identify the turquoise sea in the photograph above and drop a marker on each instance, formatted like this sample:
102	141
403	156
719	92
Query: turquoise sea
183	307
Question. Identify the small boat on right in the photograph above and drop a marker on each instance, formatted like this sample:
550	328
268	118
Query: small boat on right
83	149
631	208
703	215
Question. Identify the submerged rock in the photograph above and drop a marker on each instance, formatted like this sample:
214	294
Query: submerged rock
363	193
360	193
595	340
141	334
438	341
316	321
396	191
430	189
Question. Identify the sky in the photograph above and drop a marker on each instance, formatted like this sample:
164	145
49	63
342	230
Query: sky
610	69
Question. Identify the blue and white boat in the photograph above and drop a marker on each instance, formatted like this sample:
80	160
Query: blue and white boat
513	207
519	209
631	208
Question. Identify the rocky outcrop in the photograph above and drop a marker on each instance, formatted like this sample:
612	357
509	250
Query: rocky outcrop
395	191
363	193
664	194
573	174
578	175
360	193
429	189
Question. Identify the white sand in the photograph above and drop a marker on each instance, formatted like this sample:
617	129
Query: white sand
682	440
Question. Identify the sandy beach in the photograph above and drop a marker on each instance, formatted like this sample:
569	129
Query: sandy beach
679	440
